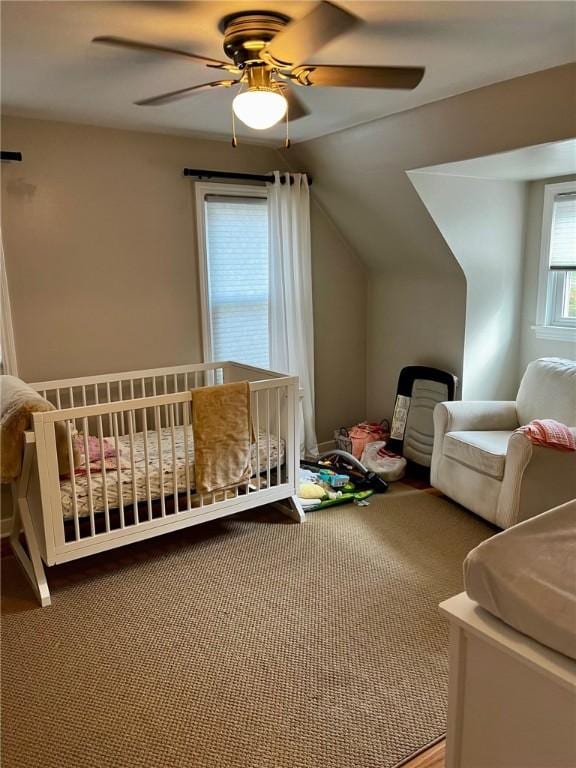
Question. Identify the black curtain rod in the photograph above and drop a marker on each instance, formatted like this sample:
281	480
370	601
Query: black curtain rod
203	174
16	156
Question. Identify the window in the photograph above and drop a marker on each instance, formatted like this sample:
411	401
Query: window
556	312
233	237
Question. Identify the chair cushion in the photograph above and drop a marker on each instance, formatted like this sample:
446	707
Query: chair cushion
548	391
482	451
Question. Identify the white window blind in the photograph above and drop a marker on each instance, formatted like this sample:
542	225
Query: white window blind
563	234
238	283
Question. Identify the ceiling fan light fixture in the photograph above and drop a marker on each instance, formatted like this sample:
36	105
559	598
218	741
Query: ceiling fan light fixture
260	108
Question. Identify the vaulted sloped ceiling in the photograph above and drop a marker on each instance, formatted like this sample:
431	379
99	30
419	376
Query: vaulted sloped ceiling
360	173
416	290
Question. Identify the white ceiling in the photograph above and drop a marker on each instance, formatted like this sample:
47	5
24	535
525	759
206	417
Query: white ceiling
50	69
527	164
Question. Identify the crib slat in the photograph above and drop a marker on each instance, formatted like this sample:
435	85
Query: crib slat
177	389
88	475
131	419
258	476
185	414
72	404
104	475
142	394
278	462
109	400
58	399
118	469
165	391
147	466
158	428
120	398
72	479
268	438
174	468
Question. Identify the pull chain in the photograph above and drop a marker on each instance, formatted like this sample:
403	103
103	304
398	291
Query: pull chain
287	144
234	139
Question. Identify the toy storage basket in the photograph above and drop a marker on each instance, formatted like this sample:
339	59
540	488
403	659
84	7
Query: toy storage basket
343	440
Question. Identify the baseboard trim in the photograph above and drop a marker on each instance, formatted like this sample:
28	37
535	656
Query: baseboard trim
329	445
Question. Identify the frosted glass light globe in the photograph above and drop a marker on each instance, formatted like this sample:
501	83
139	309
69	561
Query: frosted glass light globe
260	109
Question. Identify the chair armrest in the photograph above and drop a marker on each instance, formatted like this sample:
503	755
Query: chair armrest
536	479
475	415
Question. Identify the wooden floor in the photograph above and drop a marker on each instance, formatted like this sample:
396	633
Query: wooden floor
431	758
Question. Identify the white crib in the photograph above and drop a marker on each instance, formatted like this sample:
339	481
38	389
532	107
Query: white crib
148	415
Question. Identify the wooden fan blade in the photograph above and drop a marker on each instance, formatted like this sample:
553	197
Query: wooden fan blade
305	36
296	108
123	42
359	77
183	93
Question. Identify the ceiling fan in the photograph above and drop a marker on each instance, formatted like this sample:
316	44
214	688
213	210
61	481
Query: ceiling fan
266	51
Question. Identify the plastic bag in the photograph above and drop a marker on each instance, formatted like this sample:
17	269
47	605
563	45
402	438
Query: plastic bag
389	466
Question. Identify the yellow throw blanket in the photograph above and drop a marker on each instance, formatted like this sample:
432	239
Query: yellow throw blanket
18	402
222	432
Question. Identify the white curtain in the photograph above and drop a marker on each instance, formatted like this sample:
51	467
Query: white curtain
8	349
291	317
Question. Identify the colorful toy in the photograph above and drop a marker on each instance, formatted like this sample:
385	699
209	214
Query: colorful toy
316	489
332	478
311	491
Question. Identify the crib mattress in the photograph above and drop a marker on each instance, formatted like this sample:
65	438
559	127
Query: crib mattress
525	576
172	478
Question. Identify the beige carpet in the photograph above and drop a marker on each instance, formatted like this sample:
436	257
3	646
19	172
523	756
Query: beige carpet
251	642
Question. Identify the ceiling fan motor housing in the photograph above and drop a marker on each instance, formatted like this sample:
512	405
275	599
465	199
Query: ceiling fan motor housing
245	34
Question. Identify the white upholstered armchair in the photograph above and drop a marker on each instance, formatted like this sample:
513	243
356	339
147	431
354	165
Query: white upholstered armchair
480	462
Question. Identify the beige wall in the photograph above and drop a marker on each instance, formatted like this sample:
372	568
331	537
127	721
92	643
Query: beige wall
407	326
482	221
532	348
100	242
340	296
416	285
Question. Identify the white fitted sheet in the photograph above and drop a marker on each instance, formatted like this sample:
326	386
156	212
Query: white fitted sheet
526	576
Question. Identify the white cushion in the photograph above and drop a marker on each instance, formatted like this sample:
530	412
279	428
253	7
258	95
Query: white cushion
548	391
482	451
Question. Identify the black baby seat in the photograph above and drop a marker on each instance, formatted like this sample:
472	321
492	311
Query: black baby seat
420	389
